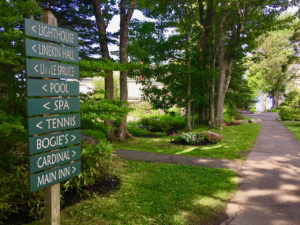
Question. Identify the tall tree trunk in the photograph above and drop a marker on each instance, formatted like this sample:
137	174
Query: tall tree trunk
222	71
125	18
109	80
212	65
188	88
264	102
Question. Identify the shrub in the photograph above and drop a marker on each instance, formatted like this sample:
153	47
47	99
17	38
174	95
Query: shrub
137	130
14	185
197	138
289	113
163	123
96	164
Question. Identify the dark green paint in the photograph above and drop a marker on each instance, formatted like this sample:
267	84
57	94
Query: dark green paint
50	33
50	51
53	141
54	176
52	105
53	123
52	88
54	158
38	68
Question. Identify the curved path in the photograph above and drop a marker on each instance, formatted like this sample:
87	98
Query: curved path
178	159
269	190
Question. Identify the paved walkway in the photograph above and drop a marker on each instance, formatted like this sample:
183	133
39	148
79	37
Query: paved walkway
269	191
178	159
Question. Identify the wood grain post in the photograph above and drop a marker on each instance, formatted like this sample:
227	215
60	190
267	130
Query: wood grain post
52	193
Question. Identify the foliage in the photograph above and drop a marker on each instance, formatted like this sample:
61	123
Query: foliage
163	123
96	164
197	138
12	59
136	130
15	197
236	143
289	113
97	134
11	131
268	64
231	115
95	109
149	192
292	99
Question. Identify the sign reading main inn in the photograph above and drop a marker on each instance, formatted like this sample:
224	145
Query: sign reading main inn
54	156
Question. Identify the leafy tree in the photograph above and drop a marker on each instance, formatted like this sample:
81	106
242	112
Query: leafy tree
268	64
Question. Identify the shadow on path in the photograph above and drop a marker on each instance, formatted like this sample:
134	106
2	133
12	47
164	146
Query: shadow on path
269	191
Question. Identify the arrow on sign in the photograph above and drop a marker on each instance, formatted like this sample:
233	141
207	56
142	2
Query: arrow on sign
74	153
46	105
33	48
44	88
39	125
35	68
74	169
33	28
73	137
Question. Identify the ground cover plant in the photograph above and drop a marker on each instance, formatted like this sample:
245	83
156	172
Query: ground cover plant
153	193
293	127
236	143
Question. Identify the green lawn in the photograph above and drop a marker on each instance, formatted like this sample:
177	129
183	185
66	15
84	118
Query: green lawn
237	142
154	193
293	127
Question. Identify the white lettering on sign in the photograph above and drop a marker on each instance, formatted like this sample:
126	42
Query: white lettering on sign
63	36
61	105
55	70
54	141
46	178
53	159
65	172
59	88
54	123
54	51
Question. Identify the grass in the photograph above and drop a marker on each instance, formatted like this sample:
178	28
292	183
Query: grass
294	128
237	142
157	194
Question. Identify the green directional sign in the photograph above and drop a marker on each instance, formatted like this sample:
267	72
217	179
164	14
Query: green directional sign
54	158
53	141
50	33
50	51
54	176
52	88
53	123
52	105
38	68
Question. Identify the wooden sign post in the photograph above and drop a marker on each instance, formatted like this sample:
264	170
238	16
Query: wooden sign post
54	156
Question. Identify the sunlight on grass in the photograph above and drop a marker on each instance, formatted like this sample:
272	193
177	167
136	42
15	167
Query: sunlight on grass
236	142
186	150
213	147
294	128
160	194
